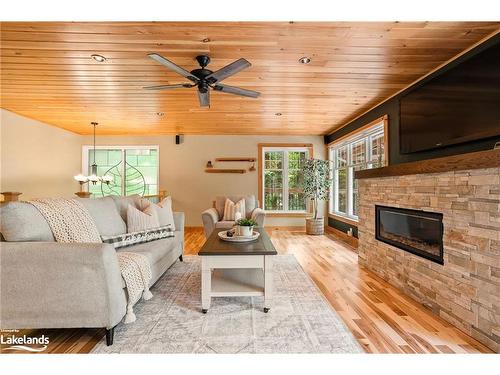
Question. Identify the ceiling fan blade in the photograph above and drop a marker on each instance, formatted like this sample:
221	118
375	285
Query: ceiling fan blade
237	91
228	70
204	98
169	87
176	68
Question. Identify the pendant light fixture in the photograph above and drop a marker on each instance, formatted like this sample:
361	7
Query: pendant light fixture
93	168
93	177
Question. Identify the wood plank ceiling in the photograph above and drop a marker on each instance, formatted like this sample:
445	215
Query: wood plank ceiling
47	72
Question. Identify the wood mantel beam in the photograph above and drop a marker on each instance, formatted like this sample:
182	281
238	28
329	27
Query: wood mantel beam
473	160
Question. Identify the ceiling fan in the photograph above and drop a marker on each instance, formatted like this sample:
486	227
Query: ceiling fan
205	79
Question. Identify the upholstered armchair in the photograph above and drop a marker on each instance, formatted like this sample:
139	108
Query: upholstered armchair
212	218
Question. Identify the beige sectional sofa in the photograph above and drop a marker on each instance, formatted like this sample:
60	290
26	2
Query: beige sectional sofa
47	284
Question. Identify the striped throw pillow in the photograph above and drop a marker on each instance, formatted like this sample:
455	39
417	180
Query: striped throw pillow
138	220
231	208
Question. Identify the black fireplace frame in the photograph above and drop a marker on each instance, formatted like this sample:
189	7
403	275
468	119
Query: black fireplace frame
431	215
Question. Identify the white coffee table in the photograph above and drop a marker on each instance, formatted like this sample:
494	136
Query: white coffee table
230	269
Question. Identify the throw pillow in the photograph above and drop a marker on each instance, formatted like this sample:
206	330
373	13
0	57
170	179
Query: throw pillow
138	220
128	239
163	210
230	209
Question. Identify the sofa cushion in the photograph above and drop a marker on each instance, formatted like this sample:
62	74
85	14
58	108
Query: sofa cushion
250	203
105	215
122	204
155	250
21	222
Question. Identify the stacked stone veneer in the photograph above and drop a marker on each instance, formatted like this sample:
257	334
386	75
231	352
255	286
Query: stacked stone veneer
465	291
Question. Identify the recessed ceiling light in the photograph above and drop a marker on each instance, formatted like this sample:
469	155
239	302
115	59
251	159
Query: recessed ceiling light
278	114
305	60
98	58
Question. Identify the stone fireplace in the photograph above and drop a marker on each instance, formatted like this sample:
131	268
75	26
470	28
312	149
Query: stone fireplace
416	231
459	277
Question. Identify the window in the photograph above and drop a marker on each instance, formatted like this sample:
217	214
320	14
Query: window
282	177
365	149
134	169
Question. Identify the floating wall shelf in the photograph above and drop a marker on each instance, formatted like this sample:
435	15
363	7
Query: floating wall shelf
241	159
224	170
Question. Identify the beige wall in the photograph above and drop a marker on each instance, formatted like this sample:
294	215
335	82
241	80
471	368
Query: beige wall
182	168
37	159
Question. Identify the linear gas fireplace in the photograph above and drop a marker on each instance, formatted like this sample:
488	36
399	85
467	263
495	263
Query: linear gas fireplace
418	232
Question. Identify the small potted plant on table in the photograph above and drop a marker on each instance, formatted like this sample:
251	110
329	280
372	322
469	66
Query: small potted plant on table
244	227
317	184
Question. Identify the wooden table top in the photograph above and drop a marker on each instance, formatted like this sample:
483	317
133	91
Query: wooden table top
215	246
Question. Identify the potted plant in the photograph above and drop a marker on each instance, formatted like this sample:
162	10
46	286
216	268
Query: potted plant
317	184
244	227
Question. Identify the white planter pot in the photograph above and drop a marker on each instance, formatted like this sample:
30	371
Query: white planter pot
244	231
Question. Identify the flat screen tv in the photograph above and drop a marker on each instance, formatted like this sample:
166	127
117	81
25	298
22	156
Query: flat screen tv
458	106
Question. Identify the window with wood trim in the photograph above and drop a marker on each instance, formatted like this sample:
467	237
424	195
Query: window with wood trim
362	150
282	178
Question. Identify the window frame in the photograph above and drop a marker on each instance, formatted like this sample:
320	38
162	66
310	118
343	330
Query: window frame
286	148
87	148
366	134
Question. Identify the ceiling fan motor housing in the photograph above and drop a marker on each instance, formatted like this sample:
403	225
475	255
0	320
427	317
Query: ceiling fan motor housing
202	73
203	60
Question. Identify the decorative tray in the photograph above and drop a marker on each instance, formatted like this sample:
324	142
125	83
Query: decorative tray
223	236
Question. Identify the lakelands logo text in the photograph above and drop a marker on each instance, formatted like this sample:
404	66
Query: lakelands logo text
24	343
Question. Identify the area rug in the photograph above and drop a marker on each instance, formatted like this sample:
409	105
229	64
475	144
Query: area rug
300	320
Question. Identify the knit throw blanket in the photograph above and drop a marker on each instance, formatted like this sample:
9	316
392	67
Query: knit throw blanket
70	221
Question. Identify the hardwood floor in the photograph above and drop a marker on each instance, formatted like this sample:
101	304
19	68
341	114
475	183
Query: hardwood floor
382	319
